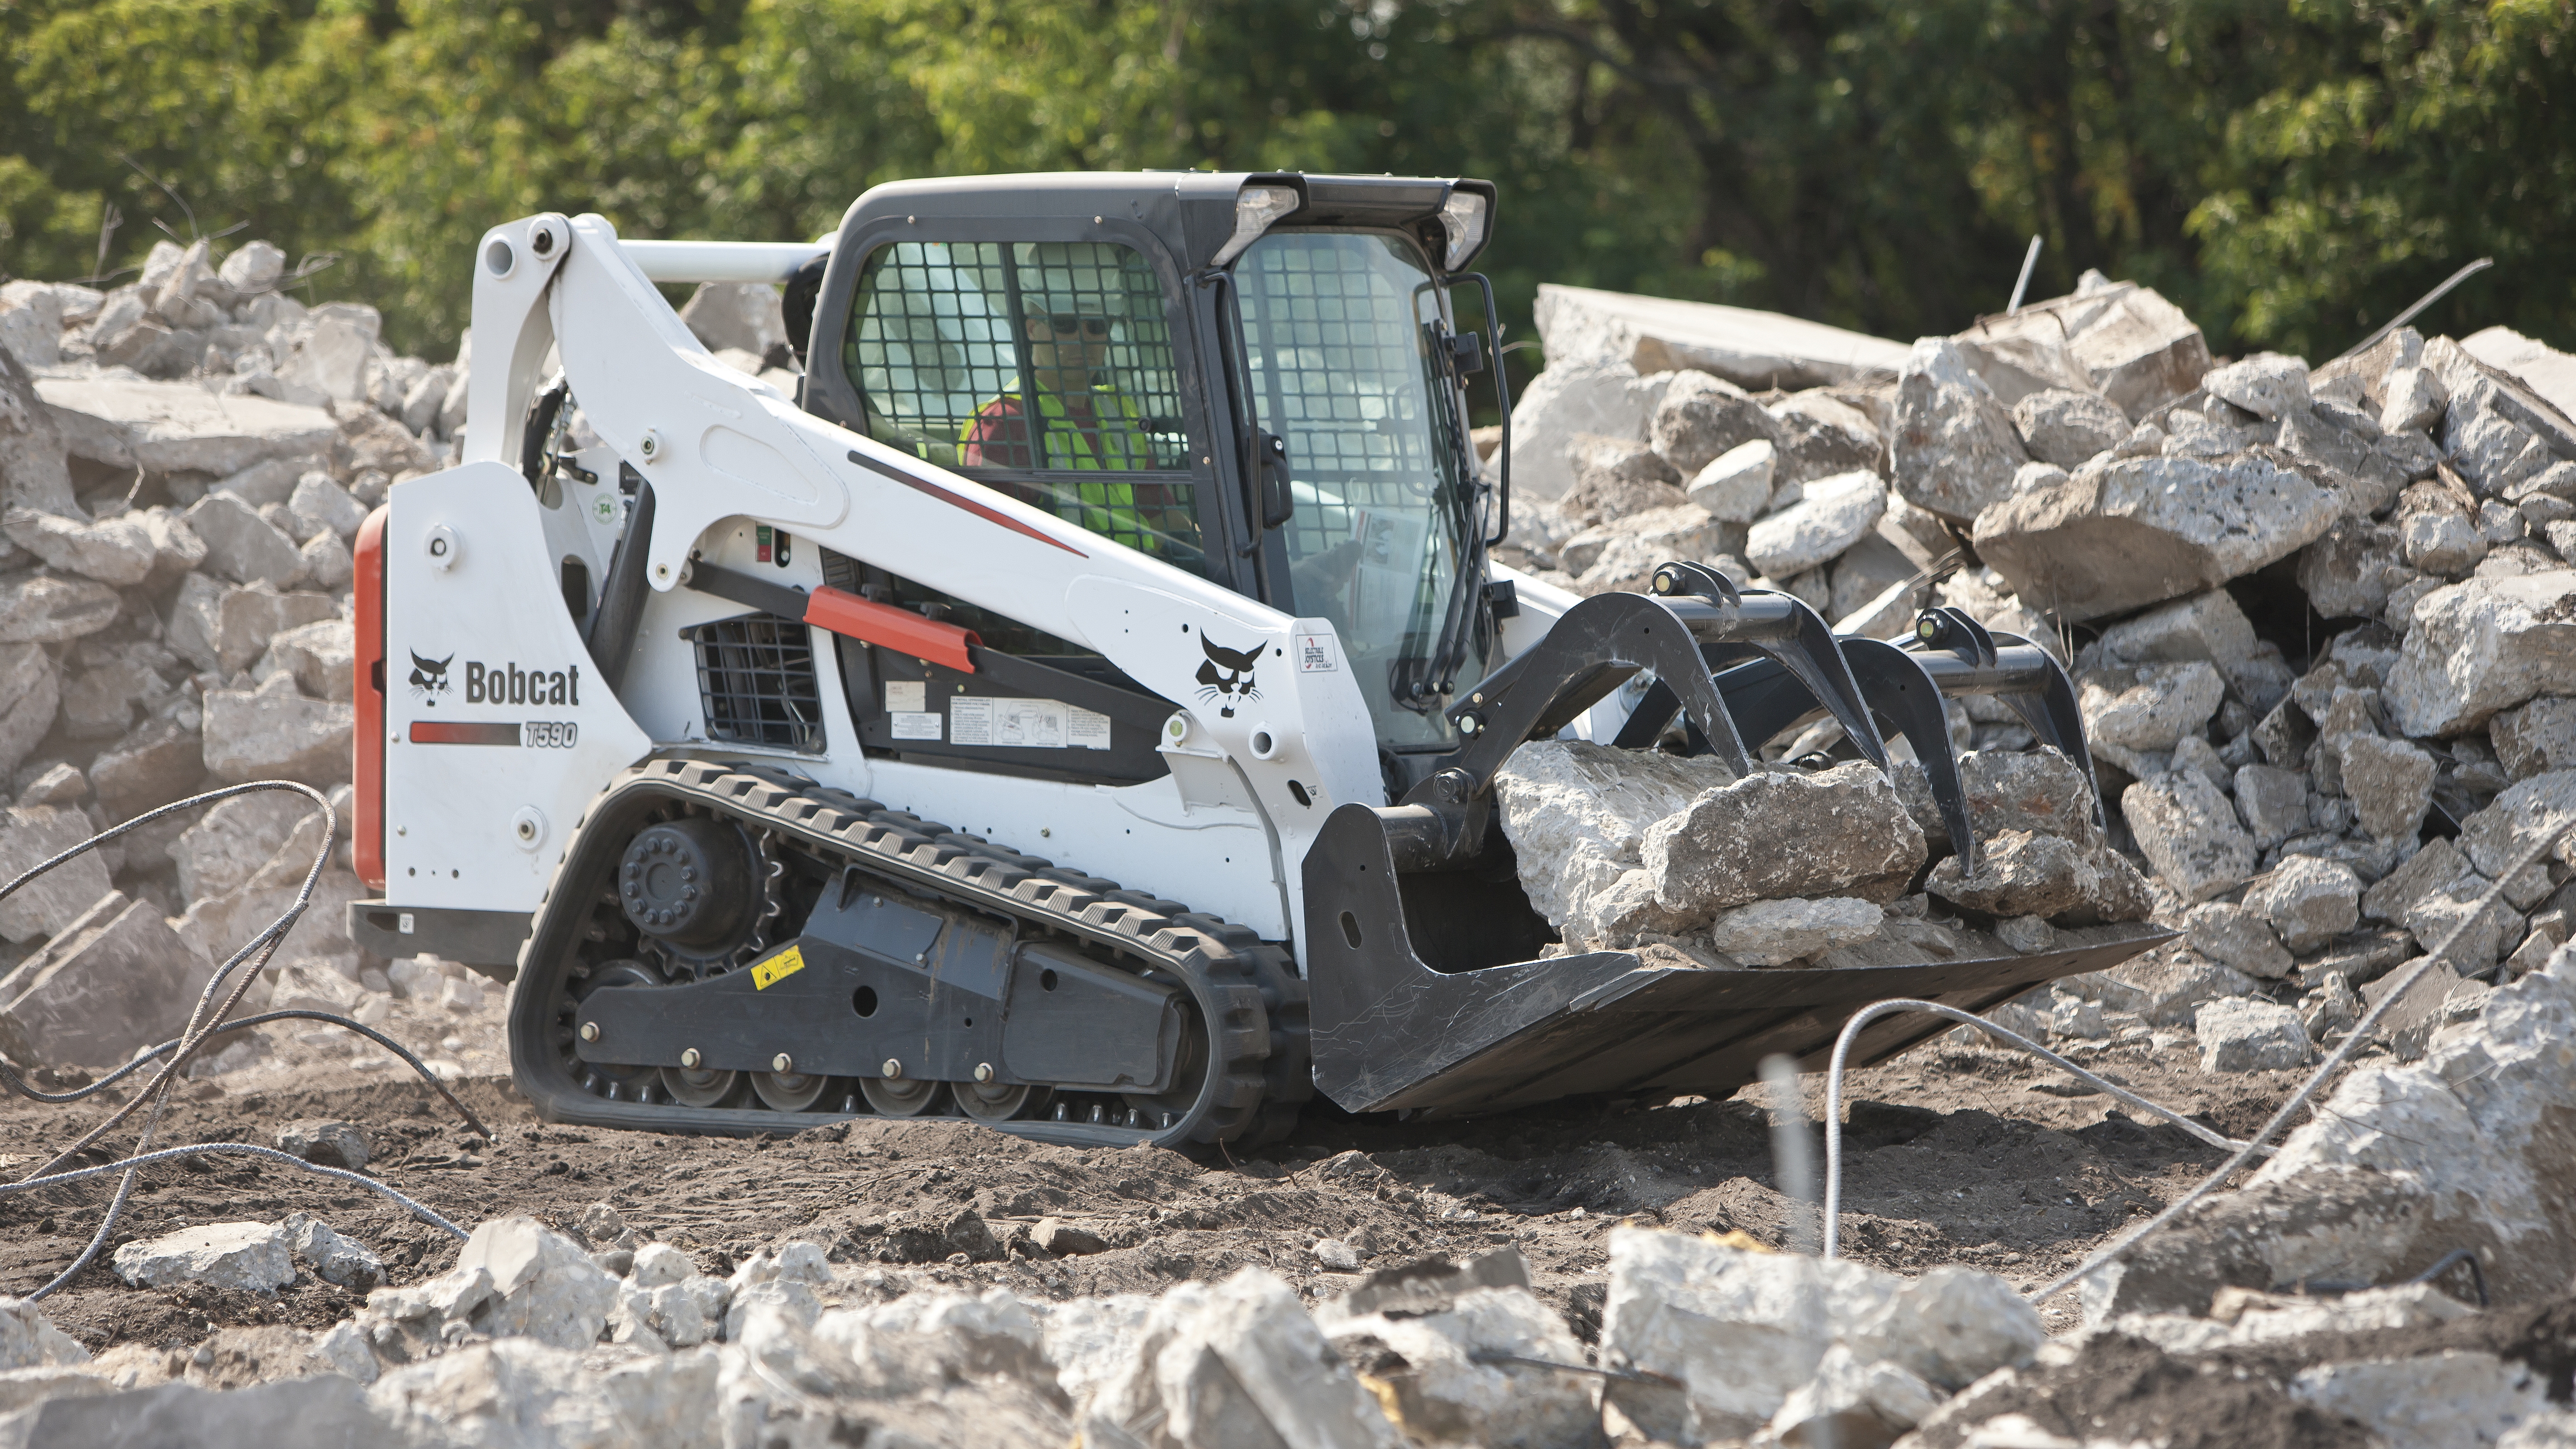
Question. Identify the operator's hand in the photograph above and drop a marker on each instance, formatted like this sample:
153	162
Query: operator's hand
1323	576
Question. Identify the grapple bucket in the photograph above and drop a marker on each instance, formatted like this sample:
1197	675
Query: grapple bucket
1394	1031
1429	988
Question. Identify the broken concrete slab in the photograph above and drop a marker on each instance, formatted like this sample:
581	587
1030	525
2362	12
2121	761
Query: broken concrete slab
34	471
1570	399
30	697
1954	447
2021	873
1778	932
2137	531
1565	799
2484	646
2246	1034
334	1258
2068	428
179	427
274	734
243	546
1702	418
1236	1361
330	1143
1842	831
249	1256
1749	348
43	608
1834	514
2238	938
118	551
113	981
2149	707
2308	901
745	315
2389	782
321	657
2188	832
29	836
2266	384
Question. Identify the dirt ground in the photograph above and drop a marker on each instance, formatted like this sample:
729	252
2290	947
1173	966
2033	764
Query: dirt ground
1954	1154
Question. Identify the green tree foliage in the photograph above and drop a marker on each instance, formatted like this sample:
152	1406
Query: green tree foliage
2290	170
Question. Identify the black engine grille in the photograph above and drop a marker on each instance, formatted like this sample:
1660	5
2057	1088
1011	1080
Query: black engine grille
756	682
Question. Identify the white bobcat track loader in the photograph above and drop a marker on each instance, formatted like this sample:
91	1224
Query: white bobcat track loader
1128	527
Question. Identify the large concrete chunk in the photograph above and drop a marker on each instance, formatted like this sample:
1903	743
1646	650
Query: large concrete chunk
1733	1333
1954	446
2389	782
30	696
1841	832
2308	901
2020	873
43	608
2139	349
118	551
2348	572
320	656
2545	370
2067	428
2445	1400
2242	1034
2532	811
243	546
1236	1362
179	427
253	1256
2267	384
1748	348
745	315
111	982
1836	513
277	734
1702	418
2150	707
29	836
33	461
1775	933
530	1395
231	841
1570	399
2484	645
28	1339
2137	531
1564	800
1466	1372
545	1285
2188	831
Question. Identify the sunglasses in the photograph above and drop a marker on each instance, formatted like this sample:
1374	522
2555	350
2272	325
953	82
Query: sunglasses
1068	324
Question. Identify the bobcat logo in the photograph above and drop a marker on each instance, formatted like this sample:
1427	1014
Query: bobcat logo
429	677
1228	674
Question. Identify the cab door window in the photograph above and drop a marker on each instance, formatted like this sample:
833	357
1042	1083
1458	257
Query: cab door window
1044	369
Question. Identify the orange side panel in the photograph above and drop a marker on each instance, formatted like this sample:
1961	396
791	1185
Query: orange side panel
901	630
368	772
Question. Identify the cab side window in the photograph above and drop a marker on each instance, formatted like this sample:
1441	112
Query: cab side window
1043	369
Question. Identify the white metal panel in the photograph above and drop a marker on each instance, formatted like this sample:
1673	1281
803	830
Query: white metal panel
451	810
720	261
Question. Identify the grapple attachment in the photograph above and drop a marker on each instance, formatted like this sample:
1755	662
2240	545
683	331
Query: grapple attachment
1424	961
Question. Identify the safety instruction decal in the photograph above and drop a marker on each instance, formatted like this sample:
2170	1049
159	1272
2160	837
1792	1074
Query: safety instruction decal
766	974
1025	724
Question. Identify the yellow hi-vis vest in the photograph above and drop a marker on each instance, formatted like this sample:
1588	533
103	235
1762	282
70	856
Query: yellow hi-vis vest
1115	442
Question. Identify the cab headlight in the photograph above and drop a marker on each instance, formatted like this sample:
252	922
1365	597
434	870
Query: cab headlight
1464	216
1255	209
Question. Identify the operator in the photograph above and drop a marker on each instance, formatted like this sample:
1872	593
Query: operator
1087	425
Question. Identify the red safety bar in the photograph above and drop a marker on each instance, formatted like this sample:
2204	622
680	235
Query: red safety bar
901	630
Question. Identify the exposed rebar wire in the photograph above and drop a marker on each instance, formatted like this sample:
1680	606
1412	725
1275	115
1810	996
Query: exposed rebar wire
149	1055
2343	1053
419	1210
1875	1010
208	1019
2029	262
2427	300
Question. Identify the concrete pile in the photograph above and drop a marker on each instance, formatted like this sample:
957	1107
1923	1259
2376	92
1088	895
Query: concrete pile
2314	618
187	460
539	1337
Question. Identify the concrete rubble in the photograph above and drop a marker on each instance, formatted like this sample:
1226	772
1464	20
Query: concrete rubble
2316	618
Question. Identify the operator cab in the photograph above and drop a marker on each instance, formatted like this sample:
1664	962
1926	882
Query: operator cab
1257	378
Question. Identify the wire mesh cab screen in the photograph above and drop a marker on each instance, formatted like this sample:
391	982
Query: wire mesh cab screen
756	682
1339	329
1044	369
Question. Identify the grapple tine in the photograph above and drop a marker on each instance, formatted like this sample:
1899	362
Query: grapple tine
1783	627
1598	644
2053	715
1901	692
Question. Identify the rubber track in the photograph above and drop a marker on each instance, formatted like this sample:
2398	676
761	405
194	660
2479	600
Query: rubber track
1256	1029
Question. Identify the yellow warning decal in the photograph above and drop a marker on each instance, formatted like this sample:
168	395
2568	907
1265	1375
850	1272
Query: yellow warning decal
766	974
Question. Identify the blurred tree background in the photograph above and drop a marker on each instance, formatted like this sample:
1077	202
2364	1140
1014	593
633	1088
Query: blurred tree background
2289	171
